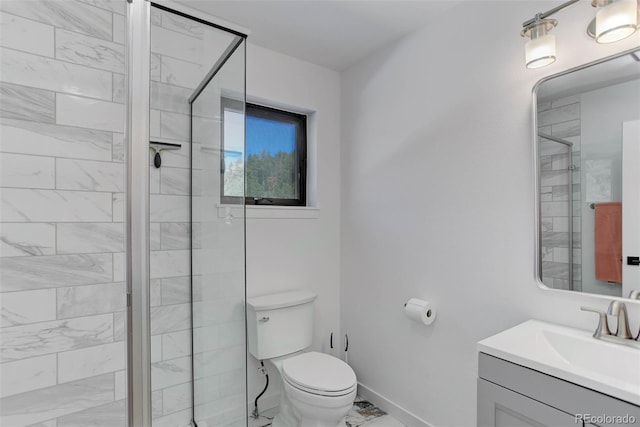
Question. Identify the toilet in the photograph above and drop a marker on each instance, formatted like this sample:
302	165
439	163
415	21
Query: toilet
318	389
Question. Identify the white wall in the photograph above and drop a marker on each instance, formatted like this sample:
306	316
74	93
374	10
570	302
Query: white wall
437	202
290	248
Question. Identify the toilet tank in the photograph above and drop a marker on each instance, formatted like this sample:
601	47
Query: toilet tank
279	324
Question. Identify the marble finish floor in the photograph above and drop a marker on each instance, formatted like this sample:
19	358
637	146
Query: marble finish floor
362	414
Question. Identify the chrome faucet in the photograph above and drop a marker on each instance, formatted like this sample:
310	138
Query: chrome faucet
619	310
622	334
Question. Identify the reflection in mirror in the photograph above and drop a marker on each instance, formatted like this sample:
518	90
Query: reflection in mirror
588	149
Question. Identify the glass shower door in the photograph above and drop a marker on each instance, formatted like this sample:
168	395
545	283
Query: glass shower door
218	243
196	258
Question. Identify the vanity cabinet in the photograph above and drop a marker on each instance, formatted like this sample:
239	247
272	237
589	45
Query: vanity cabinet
511	395
501	407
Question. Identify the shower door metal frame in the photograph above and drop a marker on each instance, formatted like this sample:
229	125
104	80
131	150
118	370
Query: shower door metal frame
138	48
137	215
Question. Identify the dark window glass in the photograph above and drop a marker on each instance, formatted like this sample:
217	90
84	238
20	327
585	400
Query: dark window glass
273	161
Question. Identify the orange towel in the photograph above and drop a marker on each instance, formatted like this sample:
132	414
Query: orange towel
608	241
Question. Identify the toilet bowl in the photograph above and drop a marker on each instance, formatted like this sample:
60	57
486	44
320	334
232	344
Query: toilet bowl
318	391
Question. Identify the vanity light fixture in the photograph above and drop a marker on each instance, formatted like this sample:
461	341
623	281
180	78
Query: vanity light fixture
540	51
615	20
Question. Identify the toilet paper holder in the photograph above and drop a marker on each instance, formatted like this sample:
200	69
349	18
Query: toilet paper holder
429	311
420	311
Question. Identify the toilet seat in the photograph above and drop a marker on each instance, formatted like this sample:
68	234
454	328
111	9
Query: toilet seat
319	374
322	393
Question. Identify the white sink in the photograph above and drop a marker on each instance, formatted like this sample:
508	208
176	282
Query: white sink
572	355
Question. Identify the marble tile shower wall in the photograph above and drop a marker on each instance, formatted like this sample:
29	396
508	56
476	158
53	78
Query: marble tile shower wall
62	175
62	236
559	185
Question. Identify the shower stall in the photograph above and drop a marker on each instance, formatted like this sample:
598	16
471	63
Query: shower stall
122	273
558	193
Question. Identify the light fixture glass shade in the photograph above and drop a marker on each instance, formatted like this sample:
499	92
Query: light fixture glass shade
541	51
616	21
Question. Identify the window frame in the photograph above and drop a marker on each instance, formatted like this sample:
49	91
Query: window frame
263	111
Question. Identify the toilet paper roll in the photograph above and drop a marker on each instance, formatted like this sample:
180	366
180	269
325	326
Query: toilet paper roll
420	311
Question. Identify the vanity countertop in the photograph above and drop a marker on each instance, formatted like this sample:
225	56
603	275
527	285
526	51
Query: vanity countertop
572	355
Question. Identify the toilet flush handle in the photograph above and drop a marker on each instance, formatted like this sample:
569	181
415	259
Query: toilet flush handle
264	319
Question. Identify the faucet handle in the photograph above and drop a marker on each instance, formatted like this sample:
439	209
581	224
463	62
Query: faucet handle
603	327
618	309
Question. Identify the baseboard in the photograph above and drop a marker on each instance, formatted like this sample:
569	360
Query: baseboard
392	408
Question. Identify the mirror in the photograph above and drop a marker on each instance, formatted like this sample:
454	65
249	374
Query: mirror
587	145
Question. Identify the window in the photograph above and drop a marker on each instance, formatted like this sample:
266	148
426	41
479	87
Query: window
274	163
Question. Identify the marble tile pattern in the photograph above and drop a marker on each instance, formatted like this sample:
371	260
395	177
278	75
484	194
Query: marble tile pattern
363	413
62	122
25	103
559	187
62	85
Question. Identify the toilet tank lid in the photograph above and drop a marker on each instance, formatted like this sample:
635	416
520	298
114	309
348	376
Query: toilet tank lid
279	300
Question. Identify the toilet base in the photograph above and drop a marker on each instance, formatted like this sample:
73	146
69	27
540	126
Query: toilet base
299	408
286	417
303	414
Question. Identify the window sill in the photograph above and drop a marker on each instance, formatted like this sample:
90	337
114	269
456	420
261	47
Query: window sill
270	212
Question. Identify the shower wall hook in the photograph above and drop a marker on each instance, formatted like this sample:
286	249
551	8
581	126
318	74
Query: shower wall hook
158	147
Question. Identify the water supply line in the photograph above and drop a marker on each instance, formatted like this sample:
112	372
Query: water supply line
263	370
